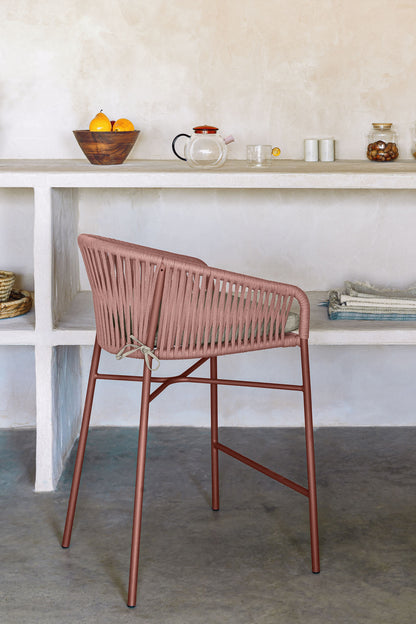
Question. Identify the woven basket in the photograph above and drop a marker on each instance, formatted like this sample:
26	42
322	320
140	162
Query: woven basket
7	279
19	302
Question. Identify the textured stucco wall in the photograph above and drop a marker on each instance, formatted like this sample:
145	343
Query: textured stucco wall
265	70
271	71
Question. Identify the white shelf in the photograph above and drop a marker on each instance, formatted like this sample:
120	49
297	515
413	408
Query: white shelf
77	326
340	174
19	330
348	332
64	316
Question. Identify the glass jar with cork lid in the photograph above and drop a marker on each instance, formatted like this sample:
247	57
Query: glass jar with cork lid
382	143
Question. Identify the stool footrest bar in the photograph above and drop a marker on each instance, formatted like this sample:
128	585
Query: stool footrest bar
269	473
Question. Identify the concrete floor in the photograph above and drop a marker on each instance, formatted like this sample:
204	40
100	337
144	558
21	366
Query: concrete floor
248	563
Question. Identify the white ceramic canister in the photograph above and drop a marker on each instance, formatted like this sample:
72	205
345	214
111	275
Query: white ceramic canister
311	150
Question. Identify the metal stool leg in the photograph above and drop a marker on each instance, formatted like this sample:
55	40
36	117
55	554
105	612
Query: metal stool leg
138	498
81	446
310	456
214	437
141	451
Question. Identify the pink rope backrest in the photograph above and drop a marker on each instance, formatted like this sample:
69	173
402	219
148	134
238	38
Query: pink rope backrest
208	311
123	279
203	311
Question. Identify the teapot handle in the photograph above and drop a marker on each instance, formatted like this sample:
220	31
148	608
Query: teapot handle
173	145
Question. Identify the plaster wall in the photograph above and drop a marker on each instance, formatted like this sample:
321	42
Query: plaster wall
272	71
265	70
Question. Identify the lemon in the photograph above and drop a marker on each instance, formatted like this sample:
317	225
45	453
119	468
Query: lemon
276	151
123	125
100	123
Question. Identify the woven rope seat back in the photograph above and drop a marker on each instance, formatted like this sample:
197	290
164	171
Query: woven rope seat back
203	311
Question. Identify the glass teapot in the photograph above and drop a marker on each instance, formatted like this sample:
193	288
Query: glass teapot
205	148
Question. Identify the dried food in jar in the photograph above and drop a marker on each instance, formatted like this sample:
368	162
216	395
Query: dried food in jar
382	144
379	150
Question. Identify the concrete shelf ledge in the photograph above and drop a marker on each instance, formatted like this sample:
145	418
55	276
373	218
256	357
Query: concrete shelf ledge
340	174
77	326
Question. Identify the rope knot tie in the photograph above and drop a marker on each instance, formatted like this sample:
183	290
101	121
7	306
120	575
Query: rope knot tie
137	345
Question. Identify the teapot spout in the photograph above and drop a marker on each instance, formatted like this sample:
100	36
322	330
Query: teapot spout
229	139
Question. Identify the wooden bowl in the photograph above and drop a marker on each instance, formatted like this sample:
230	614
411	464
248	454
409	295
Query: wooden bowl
106	148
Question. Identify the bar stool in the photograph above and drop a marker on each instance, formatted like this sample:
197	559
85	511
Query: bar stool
155	305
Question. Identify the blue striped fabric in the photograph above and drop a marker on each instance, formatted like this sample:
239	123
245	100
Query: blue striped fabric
338	311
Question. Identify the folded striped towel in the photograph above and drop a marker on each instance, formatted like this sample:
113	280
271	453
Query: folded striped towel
371	302
364	301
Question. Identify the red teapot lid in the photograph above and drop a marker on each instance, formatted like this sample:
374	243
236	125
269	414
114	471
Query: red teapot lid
205	129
